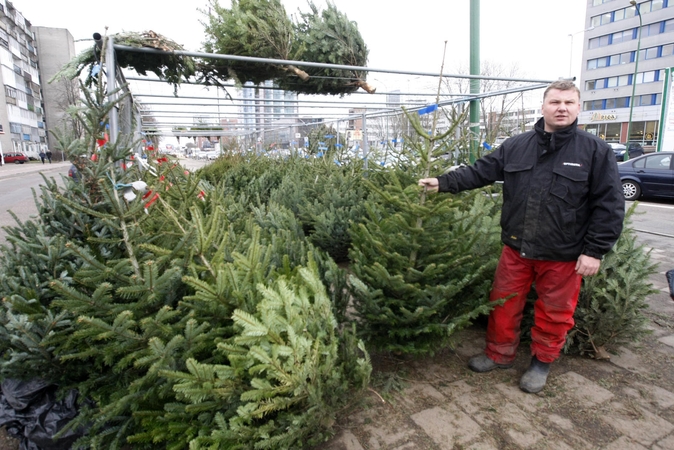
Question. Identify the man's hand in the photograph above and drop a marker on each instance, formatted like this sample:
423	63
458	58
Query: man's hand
587	265
431	184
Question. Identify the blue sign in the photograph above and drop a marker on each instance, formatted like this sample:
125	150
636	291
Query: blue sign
427	110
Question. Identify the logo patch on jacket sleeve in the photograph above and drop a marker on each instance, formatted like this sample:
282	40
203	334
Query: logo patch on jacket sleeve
572	164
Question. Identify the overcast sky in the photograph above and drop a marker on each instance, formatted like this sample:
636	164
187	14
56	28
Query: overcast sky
529	35
532	34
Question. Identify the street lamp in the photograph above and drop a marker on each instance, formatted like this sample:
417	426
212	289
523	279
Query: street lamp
571	35
634	80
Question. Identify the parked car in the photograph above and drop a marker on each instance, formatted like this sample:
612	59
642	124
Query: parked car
650	175
16	158
619	150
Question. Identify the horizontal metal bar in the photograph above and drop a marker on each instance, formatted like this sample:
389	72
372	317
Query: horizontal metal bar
314	64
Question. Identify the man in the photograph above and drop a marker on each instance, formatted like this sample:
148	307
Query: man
563	209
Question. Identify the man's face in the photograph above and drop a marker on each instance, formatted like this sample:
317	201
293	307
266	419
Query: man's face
560	109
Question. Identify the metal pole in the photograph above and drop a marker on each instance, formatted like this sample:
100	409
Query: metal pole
571	57
111	66
634	82
474	83
366	148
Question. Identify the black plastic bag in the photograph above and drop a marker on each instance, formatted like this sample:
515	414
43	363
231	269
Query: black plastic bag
30	412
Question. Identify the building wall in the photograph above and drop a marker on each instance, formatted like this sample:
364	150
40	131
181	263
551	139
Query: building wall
21	114
55	48
608	68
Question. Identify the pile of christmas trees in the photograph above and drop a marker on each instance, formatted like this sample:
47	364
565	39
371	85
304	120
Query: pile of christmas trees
263	29
186	316
209	309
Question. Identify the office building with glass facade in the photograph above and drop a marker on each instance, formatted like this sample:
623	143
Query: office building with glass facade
625	55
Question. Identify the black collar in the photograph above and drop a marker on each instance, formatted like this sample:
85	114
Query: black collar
557	139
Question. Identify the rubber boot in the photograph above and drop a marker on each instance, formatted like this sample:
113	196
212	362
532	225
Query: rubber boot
534	378
482	363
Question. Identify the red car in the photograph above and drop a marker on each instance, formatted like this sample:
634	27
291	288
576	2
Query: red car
16	158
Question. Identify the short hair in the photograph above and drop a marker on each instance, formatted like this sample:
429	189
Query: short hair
562	85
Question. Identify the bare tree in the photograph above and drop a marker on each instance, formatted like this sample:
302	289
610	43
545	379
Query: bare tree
495	110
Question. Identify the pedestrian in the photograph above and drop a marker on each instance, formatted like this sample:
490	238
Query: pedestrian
563	210
670	281
42	156
49	155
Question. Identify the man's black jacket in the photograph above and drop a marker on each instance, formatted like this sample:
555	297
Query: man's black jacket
562	195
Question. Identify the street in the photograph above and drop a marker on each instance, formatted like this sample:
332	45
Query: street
17	183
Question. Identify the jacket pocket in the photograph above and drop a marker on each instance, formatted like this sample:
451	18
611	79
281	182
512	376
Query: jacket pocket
517	167
570	185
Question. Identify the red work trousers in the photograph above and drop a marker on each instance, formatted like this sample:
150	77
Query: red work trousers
557	285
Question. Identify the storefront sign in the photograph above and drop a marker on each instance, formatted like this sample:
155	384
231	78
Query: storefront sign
595	117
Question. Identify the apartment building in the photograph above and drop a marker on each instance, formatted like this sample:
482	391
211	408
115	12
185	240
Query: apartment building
21	115
625	55
55	48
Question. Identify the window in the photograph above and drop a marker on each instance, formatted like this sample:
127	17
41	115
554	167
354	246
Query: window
657	4
622	102
650	30
15	128
649	77
624	80
652	53
648	100
590	85
612	82
669	26
659	162
593	105
623	36
623	58
612	132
